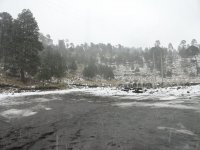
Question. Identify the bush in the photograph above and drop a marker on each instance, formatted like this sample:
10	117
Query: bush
102	70
169	73
90	71
73	66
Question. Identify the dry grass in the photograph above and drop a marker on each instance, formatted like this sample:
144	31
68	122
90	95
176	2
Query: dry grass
15	83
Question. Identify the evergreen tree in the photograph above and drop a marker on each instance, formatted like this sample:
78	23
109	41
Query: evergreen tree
193	51
45	72
52	64
90	71
108	73
26	34
59	67
158	56
182	49
6	25
73	66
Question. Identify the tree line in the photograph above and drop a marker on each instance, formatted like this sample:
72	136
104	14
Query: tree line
25	51
29	53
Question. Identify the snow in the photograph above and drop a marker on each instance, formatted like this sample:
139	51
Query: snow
174	130
6	95
37	93
168	98
154	105
171	97
169	93
162	93
16	113
40	107
8	99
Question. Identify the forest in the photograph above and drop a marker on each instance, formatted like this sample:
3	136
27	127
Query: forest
26	53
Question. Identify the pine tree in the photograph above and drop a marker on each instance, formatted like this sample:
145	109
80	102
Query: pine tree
52	64
26	34
90	71
6	24
73	66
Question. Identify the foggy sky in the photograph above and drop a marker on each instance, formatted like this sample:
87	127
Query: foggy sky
128	22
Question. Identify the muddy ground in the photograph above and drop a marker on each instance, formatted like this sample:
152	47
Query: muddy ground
78	121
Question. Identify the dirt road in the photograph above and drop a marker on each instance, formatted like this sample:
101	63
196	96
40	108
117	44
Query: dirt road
78	121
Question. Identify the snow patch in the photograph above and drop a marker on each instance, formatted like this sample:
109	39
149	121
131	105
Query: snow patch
9	99
40	107
168	98
169	93
17	113
162	94
6	95
174	130
153	105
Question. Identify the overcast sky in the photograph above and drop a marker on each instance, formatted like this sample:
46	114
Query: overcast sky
128	22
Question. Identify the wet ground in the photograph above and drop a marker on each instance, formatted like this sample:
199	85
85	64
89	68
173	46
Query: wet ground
80	121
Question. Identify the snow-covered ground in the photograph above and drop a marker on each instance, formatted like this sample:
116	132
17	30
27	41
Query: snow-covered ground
169	93
7	99
16	113
162	94
171	97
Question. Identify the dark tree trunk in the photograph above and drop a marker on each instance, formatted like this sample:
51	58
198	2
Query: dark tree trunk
22	75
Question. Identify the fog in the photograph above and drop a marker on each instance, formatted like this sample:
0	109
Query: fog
128	22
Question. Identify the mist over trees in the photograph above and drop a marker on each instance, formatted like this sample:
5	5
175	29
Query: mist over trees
26	53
